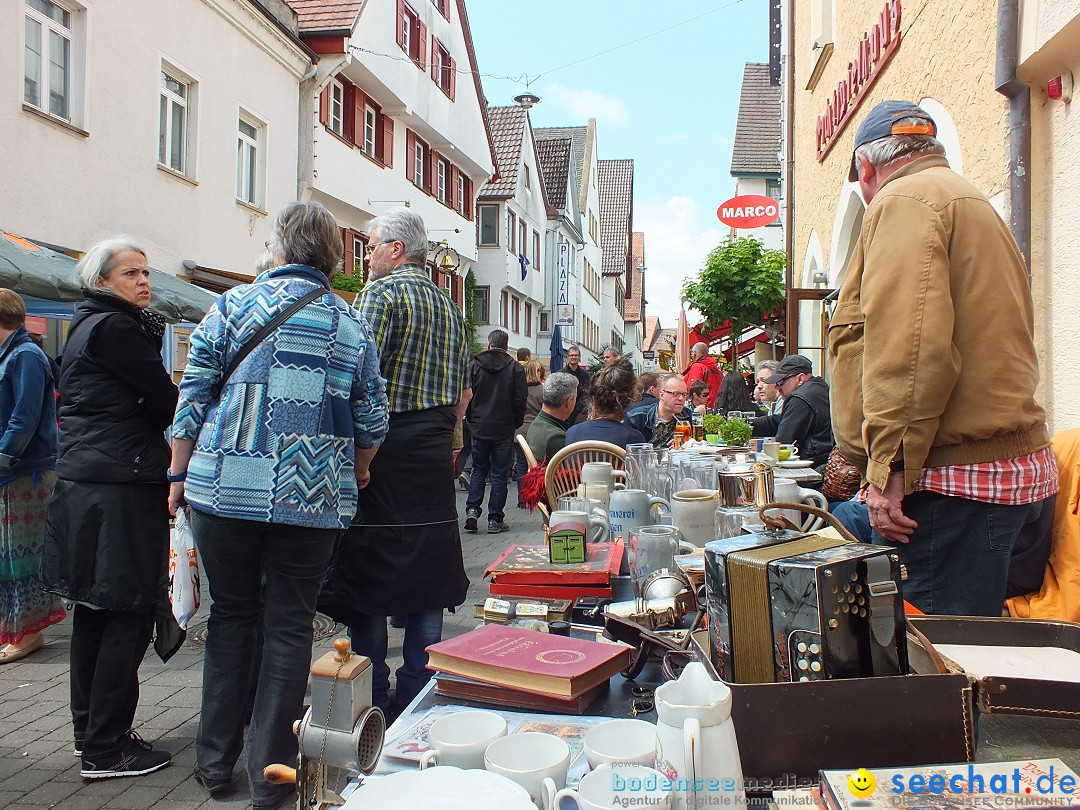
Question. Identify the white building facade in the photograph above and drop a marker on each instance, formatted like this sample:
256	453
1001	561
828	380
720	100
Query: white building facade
122	116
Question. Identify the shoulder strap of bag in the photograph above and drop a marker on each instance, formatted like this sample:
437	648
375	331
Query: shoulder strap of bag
267	330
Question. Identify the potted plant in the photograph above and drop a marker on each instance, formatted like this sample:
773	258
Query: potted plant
736	432
712	422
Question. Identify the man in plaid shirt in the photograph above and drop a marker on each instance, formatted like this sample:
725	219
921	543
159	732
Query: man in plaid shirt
935	370
402	556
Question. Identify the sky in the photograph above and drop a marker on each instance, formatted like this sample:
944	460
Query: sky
668	99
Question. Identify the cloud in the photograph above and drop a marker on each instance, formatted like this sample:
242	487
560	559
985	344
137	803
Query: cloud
679	234
585	104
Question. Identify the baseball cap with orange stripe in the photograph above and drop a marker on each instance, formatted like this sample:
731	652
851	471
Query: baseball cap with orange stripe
881	122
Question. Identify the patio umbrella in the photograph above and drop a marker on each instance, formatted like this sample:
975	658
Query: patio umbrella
682	343
37	271
557	361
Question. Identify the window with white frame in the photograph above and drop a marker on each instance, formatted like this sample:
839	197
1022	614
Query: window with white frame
442	181
174	121
337	108
371	124
248	160
420	156
52	74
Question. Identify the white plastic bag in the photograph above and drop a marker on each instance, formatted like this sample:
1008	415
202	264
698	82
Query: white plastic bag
183	571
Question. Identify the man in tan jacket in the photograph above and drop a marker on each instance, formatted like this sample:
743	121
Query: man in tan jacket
934	308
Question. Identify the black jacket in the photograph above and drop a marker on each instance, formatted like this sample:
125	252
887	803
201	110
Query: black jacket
499	395
584	383
110	363
805	422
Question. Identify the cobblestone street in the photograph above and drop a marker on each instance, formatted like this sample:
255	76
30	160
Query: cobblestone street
37	766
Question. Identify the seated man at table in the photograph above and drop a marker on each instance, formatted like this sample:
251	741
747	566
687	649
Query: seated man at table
805	420
657	422
547	433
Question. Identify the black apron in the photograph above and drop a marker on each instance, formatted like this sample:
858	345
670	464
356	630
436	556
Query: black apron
403	552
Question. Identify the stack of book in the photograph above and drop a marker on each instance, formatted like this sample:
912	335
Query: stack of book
526	572
511	666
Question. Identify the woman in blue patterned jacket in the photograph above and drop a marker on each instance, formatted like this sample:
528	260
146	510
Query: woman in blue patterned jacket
270	468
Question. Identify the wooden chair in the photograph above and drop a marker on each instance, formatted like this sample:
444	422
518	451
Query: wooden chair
564	469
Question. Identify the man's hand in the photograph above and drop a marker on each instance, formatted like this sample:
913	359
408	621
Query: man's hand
886	516
363	477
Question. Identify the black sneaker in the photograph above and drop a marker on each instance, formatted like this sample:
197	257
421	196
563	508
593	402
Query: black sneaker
497	526
78	745
470	523
215	785
132	735
134	760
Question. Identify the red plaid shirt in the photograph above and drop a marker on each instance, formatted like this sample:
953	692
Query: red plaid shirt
1014	481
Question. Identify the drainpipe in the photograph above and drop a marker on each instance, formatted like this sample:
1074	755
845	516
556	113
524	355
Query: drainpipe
1019	95
790	338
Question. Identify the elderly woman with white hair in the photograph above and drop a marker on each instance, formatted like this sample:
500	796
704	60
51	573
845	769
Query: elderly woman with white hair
107	537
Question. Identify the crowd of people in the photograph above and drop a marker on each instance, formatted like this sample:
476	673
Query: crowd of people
314	447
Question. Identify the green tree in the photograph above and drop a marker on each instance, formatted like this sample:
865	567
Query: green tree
471	304
741	282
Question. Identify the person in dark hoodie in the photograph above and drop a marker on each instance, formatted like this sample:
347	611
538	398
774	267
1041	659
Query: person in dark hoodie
497	408
107	536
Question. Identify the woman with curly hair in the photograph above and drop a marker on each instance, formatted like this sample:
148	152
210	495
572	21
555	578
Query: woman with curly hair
613	390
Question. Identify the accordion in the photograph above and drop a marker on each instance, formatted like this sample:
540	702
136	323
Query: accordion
788	606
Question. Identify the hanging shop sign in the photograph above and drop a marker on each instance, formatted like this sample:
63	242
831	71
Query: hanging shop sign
564	273
748	211
874	51
565	315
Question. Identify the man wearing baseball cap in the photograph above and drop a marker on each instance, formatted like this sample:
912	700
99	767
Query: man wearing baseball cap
805	420
935	305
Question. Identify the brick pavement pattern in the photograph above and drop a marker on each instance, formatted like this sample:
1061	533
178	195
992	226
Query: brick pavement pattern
38	769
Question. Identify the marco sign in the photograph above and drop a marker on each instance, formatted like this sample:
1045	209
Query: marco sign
748	211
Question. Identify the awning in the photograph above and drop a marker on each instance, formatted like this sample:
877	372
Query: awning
30	269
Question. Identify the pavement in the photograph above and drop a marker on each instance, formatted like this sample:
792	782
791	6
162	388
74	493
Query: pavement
38	769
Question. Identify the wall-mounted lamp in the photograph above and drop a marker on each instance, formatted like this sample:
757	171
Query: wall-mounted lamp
1060	88
641	268
189	264
446	259
820	277
406	203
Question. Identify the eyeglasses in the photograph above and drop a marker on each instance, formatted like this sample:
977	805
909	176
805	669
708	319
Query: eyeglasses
642	700
676	394
372	245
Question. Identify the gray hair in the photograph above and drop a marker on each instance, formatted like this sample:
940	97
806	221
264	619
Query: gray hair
558	388
306	233
767	365
498	339
264	262
891	148
407	227
96	264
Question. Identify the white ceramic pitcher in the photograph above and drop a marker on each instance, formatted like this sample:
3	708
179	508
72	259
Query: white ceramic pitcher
787	491
695	740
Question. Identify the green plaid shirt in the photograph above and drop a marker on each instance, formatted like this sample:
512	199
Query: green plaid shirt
420	333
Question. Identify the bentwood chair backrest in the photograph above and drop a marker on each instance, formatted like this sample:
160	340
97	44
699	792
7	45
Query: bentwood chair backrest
564	470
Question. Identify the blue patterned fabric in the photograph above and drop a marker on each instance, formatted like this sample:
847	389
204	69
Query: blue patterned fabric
279	445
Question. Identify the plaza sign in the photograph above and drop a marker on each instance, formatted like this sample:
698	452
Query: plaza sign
748	211
874	51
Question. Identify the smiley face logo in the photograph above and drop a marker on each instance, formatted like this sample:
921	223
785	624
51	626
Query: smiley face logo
861	783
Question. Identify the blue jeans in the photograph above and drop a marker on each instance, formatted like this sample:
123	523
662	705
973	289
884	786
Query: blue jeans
369	638
244	561
958	559
492	456
855	517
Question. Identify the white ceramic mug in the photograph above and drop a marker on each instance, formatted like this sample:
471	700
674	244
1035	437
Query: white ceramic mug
460	739
625	742
590	525
615	787
538	762
694	511
786	490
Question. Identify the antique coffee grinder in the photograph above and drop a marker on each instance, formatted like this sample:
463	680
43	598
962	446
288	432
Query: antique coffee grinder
340	733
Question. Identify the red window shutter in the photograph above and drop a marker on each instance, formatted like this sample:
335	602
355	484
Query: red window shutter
386	143
410	156
452	197
422	44
348	112
432	171
324	106
401	20
347	256
359	101
453	78
434	60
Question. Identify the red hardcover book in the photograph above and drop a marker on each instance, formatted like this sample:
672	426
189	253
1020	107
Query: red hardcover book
525	659
570	592
469	689
530	565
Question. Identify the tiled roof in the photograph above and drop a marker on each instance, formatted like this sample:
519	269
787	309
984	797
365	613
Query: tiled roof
577	136
616	212
653	333
326	16
635	279
554	157
507	131
757	129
